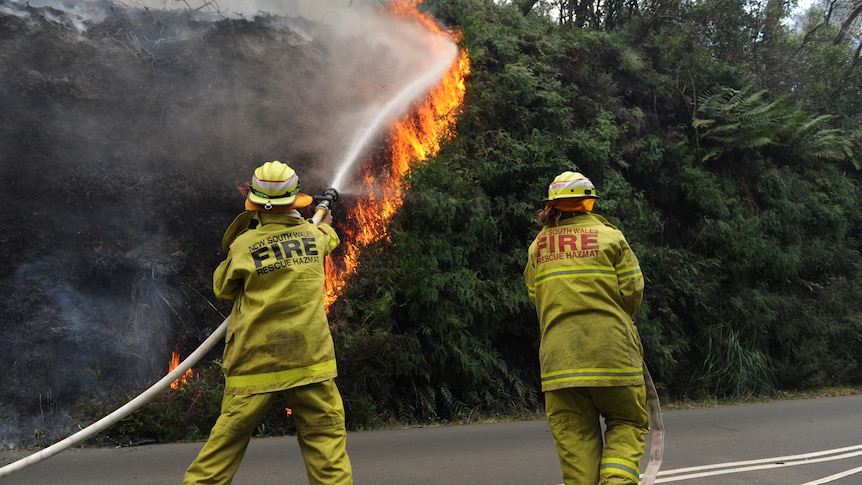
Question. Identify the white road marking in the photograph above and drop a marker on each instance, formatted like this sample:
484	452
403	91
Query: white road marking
767	463
832	478
763	464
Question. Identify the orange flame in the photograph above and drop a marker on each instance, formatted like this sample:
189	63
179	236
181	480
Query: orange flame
412	140
175	362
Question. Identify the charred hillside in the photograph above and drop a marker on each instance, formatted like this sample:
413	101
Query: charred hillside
124	135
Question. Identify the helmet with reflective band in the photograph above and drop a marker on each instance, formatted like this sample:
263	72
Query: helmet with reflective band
276	184
569	185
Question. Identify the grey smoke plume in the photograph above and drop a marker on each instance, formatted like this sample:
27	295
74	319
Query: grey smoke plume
125	132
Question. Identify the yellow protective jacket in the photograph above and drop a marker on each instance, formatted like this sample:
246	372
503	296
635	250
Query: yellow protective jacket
586	284
278	334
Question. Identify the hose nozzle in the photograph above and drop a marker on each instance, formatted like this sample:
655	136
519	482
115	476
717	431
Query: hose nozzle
330	194
324	201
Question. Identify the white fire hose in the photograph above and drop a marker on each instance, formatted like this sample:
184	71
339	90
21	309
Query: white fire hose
329	196
124	411
657	440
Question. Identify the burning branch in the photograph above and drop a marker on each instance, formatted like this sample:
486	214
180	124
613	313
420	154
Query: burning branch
175	362
412	139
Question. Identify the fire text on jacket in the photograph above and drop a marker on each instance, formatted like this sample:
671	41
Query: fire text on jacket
566	243
283	250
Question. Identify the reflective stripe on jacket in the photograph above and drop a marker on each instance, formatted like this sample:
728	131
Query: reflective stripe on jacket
278	334
586	284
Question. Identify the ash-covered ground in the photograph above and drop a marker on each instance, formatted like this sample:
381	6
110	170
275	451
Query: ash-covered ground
124	134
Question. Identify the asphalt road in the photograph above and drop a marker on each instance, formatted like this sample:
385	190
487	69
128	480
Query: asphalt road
804	442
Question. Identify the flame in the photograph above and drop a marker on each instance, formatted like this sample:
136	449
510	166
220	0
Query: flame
412	140
175	362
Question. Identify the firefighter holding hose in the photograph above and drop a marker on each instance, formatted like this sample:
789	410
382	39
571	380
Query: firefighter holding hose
278	338
586	284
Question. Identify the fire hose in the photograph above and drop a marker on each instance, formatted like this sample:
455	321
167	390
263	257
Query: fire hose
657	440
324	202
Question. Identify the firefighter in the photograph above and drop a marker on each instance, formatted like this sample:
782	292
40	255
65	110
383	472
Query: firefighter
278	338
586	284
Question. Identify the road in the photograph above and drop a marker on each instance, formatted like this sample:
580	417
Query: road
800	442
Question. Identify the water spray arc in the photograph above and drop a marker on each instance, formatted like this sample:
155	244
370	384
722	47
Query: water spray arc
413	90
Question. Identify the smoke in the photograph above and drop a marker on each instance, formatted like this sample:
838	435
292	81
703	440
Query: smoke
355	59
314	10
125	131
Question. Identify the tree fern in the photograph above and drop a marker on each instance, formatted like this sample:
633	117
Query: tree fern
728	119
733	119
810	137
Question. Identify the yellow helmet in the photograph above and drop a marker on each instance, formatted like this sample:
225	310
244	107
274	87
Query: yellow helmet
276	184
569	185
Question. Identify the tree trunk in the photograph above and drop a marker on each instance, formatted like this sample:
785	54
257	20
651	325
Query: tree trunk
526	5
845	26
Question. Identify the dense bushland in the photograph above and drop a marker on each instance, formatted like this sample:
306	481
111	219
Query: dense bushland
737	189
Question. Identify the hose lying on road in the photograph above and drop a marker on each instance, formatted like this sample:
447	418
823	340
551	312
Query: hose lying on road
122	412
657	440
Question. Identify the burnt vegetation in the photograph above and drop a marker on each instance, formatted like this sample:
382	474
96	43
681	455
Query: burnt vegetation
125	135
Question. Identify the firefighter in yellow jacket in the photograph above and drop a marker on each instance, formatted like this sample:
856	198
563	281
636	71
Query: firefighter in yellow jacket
278	338
586	284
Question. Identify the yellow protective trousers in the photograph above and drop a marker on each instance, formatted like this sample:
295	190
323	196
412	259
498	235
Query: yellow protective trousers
318	414
585	456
